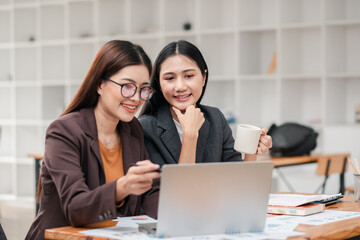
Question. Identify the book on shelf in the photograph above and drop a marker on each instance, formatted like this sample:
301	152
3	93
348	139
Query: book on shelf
303	210
293	200
273	64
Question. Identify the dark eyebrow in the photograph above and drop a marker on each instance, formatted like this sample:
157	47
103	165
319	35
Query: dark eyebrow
185	71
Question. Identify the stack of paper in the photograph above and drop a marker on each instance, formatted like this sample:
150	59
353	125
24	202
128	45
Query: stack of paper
298	204
293	200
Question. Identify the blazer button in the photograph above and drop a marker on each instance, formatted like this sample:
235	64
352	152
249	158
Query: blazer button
101	217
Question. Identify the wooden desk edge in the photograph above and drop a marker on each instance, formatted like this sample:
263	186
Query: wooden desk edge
336	230
333	230
73	233
288	161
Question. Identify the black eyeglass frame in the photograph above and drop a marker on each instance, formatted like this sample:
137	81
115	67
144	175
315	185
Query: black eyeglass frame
136	88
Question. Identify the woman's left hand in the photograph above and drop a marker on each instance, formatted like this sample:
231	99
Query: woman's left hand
265	142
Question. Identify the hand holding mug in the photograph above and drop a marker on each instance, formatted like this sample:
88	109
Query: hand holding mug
265	142
252	140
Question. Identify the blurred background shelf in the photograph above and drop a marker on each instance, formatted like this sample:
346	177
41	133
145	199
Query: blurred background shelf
270	61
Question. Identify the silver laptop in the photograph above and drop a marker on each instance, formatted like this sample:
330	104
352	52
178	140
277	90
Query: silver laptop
212	198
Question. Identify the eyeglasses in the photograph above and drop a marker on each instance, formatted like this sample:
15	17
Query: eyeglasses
129	89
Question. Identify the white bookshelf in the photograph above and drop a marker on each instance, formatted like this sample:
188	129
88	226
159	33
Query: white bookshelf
46	47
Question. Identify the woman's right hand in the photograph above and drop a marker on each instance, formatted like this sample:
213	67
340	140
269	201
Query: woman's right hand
137	180
191	120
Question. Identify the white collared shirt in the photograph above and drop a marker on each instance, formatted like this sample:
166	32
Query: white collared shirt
178	128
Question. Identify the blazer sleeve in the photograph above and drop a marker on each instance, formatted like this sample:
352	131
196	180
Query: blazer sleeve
229	154
63	158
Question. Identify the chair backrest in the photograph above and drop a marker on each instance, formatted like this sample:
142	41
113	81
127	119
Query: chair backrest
331	164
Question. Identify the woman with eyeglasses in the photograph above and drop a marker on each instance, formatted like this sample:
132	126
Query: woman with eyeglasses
177	128
89	150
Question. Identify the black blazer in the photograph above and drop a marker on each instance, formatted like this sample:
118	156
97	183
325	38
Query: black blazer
73	179
215	142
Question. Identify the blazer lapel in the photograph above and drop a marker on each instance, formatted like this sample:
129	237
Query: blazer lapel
168	132
90	129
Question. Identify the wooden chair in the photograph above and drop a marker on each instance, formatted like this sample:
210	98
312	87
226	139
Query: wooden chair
332	164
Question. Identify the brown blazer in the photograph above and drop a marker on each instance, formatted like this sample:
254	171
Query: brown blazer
73	179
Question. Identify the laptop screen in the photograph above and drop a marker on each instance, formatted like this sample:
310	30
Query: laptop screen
213	198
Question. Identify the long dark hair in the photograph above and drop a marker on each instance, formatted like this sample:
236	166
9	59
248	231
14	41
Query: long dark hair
181	47
111	58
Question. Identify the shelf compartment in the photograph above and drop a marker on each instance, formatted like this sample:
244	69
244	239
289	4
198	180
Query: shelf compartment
6	103
5	67
108	11
73	90
53	63
342	138
257	101
179	15
24	1
220	59
81	20
6	140
27	103
6	174
301	51
300	11
4	2
343	49
148	20
52	22
215	95
257	52
216	14
301	101
150	46
257	13
25	25
28	140
4	26
342	9
342	97
25	171
81	57
53	102
26	64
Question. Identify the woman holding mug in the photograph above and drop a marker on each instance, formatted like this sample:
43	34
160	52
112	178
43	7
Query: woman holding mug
177	128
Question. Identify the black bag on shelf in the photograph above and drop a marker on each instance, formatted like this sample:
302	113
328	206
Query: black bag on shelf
292	139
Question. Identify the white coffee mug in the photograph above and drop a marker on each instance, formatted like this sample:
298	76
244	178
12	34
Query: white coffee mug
247	138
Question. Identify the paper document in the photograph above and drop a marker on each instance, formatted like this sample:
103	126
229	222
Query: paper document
328	216
279	227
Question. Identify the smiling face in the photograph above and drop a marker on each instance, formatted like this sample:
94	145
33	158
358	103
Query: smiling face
181	81
112	103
